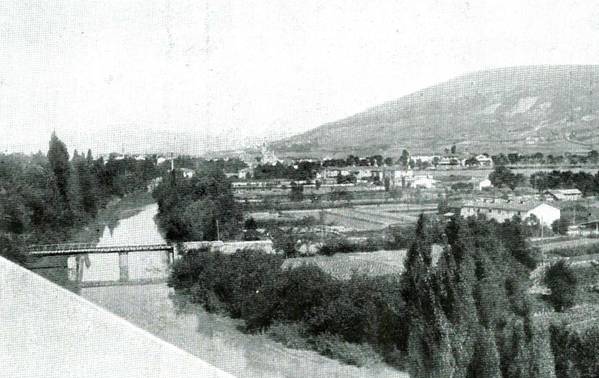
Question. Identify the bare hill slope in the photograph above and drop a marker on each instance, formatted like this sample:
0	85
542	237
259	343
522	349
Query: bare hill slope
546	108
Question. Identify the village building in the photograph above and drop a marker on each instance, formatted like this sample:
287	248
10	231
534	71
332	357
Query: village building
449	162
485	184
186	172
502	210
484	161
562	195
424	182
398	176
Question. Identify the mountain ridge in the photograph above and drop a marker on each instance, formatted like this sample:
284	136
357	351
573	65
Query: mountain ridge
542	107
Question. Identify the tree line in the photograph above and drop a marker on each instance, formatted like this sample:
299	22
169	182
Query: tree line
44	198
198	208
465	313
592	157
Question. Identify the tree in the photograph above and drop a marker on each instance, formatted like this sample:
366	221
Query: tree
561	280
404	158
486	362
297	192
560	226
58	157
429	346
87	184
503	176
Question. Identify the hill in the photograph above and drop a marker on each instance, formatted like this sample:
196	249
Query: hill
528	108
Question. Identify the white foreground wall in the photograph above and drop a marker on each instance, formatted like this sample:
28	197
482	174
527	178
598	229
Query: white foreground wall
47	331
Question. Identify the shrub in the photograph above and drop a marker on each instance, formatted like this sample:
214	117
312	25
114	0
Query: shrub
354	354
224	282
561	280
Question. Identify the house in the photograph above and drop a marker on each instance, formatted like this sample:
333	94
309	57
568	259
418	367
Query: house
502	210
485	184
398	177
484	161
448	162
186	172
426	182
245	173
562	195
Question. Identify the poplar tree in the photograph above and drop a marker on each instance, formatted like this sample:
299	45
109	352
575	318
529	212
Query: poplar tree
429	344
58	156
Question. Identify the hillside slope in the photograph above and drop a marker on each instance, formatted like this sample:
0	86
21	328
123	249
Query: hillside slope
545	108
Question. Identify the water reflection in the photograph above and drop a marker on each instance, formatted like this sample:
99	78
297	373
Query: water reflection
131	267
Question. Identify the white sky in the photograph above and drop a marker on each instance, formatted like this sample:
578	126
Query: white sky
237	68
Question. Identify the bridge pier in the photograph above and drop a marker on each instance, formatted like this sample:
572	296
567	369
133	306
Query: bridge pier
123	266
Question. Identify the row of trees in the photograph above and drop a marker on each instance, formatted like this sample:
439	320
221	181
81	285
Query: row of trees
43	198
583	181
465	313
303	171
538	158
199	208
469	314
229	165
586	182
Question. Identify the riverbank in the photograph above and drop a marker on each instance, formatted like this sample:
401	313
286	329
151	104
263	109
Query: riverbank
218	340
117	209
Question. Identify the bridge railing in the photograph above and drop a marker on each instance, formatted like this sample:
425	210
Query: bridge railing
61	246
91	246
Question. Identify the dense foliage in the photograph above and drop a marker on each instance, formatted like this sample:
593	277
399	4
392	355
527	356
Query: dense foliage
575	351
253	285
504	177
462	314
198	208
592	157
561	280
583	181
469	314
44	198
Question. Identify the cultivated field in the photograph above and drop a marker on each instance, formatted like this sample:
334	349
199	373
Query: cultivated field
562	244
343	265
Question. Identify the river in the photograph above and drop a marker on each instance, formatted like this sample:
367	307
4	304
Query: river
213	338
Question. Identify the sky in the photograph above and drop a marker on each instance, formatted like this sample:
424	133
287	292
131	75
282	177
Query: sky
240	70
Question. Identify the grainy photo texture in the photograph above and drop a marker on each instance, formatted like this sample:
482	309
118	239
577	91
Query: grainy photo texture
340	188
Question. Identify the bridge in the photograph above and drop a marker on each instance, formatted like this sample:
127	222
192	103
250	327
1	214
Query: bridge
84	248
78	249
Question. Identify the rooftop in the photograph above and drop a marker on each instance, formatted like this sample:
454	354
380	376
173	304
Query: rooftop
512	205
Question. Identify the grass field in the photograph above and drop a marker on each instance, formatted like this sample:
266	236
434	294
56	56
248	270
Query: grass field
344	265
567	244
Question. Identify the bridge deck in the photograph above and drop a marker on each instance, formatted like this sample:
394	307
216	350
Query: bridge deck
83	248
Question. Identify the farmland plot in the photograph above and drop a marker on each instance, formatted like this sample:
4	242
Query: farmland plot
344	265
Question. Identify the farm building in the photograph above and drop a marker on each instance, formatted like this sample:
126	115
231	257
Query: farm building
484	161
426	182
588	228
562	195
186	172
485	184
502	210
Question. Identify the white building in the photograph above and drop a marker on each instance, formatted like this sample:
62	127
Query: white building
186	172
426	182
485	184
502	210
484	161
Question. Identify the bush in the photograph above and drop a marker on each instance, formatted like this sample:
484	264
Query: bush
561	280
575	351
224	282
334	346
344	245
